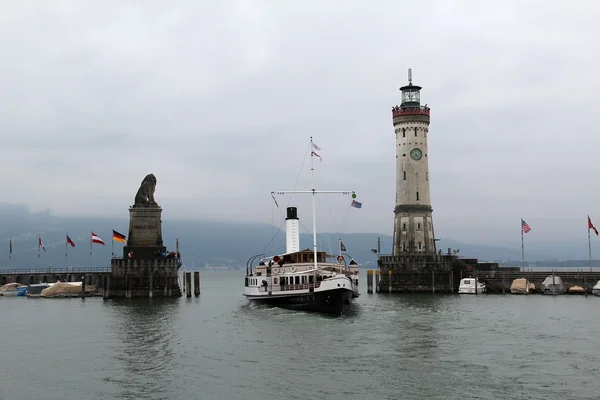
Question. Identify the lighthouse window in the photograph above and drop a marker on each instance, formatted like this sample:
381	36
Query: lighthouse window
420	247
403	227
417	196
403	246
404	175
419	225
403	132
415	131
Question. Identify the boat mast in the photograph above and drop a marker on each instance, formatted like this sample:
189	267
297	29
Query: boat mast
313	192
314	215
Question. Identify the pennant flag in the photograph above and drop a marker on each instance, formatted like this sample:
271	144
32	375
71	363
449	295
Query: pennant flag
10	245
315	154
525	226
69	241
356	204
273	196
591	226
342	247
374	251
316	147
118	237
40	244
96	239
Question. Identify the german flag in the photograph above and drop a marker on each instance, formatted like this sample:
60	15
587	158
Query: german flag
118	237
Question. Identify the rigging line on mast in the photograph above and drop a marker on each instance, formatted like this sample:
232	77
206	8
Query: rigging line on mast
299	173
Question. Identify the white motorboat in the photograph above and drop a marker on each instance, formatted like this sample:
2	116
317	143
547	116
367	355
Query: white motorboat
471	286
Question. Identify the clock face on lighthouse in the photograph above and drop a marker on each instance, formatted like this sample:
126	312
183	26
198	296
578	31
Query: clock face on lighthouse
416	154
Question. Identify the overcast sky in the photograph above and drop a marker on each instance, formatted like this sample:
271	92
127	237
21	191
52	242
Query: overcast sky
218	100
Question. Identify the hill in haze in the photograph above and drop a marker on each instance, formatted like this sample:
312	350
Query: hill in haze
210	243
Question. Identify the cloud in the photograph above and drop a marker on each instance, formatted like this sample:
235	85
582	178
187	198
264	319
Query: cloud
218	100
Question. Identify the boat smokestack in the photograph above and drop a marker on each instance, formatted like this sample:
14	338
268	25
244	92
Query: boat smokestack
292	232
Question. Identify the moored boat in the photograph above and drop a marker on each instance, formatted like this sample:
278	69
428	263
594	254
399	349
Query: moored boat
553	285
13	289
522	286
471	286
596	289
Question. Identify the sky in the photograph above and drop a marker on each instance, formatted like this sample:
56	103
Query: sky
218	99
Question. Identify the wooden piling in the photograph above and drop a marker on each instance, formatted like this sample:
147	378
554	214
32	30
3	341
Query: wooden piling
370	281
150	285
432	281
196	283
377	288
451	281
389	281
83	286
188	284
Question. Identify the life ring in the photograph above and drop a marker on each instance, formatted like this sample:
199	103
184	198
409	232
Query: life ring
340	259
293	269
275	270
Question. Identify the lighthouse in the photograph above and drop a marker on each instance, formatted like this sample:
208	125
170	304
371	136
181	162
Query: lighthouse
413	223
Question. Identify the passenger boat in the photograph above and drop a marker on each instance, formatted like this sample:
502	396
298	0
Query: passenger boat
471	286
308	280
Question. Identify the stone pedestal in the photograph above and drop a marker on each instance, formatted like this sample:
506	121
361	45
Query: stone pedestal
145	233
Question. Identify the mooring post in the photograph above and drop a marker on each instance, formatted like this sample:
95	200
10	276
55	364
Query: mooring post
128	282
150	284
451	281
196	283
503	282
83	286
183	280
389	280
432	280
370	281
377	288
169	283
188	284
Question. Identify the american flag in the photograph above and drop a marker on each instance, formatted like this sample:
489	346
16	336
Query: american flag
525	226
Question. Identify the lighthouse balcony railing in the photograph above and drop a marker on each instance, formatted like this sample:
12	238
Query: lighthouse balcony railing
419	110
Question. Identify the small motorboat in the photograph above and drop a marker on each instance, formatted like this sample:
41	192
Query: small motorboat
522	286
596	289
576	290
471	286
13	289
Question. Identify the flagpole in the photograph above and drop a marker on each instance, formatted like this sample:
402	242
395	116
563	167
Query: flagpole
112	249
590	245
91	265
522	249
66	253
10	252
39	239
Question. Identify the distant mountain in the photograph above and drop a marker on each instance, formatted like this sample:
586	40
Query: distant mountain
204	243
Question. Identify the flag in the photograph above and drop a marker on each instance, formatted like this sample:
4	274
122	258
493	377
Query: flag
315	154
96	239
525	226
40	244
316	147
374	251
342	247
591	226
356	204
69	241
10	245
118	237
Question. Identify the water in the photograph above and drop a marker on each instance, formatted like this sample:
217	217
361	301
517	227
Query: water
219	347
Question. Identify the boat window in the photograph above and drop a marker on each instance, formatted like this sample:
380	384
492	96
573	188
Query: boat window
297	280
467	282
246	283
311	279
275	281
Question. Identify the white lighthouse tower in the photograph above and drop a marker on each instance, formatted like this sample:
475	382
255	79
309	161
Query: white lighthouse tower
413	225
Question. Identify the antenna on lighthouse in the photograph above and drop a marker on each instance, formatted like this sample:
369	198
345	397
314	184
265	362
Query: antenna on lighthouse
410	76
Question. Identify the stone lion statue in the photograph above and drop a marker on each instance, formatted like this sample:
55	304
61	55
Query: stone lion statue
145	194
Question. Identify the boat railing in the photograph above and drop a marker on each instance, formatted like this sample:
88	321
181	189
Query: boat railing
279	288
